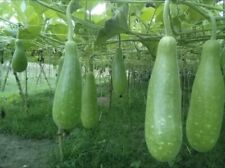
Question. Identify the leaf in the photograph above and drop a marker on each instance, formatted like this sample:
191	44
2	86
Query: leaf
193	16
176	24
157	2
30	20
210	2
6	9
159	13
57	29
114	26
186	27
147	14
177	10
50	14
10	32
151	46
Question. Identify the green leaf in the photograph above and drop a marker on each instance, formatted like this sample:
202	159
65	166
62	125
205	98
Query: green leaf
114	26
193	16
151	46
6	9
57	29
50	14
30	20
159	13
176	24
209	2
147	14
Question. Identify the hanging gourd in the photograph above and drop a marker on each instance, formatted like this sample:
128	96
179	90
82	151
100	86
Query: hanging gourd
19	60
89	111
163	127
119	78
205	113
67	99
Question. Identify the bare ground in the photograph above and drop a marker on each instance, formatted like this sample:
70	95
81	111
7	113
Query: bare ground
16	152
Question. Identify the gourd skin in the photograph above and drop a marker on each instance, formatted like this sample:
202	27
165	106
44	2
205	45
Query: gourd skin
67	100
119	78
60	64
89	112
163	127
207	100
19	61
61	60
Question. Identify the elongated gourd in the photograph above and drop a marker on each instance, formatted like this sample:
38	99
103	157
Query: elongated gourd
163	128
19	60
207	100
119	78
89	111
67	99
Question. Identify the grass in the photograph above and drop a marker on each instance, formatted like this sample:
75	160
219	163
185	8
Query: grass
37	123
117	142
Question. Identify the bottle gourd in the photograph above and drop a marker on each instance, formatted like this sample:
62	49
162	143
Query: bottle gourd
19	60
163	128
207	100
67	99
89	111
119	78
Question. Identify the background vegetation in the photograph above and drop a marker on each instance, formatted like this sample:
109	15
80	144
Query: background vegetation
118	141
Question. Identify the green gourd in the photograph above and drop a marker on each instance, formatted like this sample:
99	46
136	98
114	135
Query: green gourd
205	114
89	111
119	78
19	60
163	127
60	64
67	99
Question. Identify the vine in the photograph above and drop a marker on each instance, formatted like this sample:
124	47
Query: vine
207	14
69	20
166	18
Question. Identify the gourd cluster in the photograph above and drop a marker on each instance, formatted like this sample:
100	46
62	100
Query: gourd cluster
163	125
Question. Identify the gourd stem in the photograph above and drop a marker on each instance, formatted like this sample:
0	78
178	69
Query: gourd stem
206	13
18	33
60	139
213	24
166	18
69	21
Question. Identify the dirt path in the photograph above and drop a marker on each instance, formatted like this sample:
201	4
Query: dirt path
16	152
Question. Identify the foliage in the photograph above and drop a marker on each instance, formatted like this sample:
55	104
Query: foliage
44	24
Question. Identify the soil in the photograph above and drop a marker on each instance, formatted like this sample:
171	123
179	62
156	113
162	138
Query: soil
16	152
